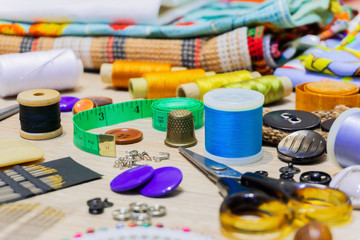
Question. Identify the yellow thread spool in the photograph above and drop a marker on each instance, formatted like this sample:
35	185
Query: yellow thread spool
121	71
200	86
272	87
162	84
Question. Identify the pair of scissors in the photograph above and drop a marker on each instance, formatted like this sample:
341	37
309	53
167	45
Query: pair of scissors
255	205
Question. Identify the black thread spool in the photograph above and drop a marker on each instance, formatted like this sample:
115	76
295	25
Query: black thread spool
39	114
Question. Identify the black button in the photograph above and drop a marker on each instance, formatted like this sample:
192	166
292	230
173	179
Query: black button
301	147
291	120
326	125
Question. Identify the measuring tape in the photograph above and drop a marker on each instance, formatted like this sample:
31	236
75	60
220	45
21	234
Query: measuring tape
158	109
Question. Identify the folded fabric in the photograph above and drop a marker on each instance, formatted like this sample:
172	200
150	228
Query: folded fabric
343	60
214	18
297	73
93	11
333	62
234	50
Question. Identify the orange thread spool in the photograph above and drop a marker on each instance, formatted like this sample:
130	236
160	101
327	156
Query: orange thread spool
164	84
325	95
123	70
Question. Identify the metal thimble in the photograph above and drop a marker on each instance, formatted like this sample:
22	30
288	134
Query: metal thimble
180	129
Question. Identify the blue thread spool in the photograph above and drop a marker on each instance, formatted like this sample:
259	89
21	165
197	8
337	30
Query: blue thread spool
233	125
343	142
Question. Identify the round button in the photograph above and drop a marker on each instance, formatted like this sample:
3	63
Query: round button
326	125
67	103
101	101
291	120
164	181
83	104
132	178
301	147
126	135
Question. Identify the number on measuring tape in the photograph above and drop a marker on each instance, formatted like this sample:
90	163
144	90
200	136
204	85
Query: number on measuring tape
104	144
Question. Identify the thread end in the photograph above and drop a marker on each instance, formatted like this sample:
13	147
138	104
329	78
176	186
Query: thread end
287	85
208	74
138	87
178	68
189	90
106	72
255	74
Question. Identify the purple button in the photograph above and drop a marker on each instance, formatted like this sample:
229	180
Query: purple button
164	181
132	178
67	102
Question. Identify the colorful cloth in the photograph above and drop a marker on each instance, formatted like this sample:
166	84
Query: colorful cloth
256	48
322	63
215	18
333	62
297	73
342	61
226	52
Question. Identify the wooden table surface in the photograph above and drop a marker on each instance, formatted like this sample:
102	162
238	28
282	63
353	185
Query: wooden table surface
194	204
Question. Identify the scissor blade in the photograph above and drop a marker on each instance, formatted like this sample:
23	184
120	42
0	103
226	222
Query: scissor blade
210	167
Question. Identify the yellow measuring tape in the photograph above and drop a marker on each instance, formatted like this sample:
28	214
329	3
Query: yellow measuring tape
158	109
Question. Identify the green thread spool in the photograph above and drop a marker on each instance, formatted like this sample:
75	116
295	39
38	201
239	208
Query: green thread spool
274	88
200	86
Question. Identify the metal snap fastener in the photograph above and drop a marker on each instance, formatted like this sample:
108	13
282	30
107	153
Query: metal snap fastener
141	219
122	214
287	176
290	168
157	210
139	207
262	173
315	177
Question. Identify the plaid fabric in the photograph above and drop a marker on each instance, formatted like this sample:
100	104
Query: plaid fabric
236	50
255	43
188	53
227	52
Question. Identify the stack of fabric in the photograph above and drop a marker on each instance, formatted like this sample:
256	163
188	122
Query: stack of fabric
218	36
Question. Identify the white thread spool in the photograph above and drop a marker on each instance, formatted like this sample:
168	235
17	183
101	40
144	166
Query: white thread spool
55	69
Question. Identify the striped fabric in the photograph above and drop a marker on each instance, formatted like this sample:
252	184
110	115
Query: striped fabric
223	53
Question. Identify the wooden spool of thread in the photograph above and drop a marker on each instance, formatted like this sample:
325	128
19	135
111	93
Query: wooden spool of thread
162	84
39	114
200	86
120	72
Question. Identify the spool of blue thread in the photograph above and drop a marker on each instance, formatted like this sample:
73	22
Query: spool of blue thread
343	142
233	125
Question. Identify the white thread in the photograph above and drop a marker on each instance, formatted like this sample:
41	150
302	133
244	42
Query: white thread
55	69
